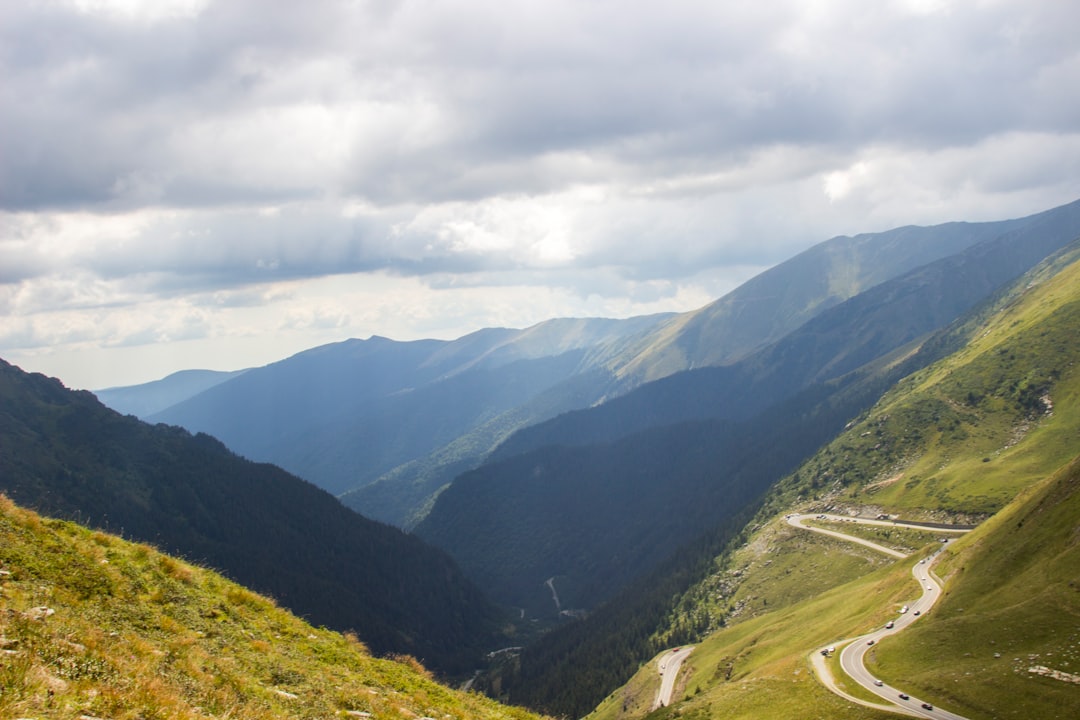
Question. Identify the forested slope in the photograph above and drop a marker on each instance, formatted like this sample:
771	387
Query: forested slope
65	454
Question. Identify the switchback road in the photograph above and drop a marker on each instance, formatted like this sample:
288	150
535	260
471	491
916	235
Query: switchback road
853	654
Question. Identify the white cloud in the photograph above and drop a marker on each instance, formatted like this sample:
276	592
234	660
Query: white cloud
220	165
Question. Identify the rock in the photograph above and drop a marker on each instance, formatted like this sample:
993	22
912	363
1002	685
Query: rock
48	680
39	613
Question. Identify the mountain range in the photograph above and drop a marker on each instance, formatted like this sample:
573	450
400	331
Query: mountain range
387	425
623	484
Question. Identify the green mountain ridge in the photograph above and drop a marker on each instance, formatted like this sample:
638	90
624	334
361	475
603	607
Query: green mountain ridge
615	489
1007	629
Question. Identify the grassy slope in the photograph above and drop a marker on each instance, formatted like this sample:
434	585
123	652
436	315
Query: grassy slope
758	667
1013	602
968	433
975	434
138	634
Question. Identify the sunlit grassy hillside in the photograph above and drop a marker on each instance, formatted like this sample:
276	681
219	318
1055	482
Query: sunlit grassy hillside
991	432
967	434
91	625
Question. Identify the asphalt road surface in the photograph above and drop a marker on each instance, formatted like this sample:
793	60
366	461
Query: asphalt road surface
669	666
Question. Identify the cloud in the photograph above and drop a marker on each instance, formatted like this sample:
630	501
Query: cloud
217	156
238	102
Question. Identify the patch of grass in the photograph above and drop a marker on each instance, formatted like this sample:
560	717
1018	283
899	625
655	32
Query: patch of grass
92	625
780	567
903	539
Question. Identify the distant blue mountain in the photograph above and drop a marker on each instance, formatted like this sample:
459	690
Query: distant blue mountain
144	400
386	425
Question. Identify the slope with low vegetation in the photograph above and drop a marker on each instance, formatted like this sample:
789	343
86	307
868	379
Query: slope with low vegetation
94	626
990	430
965	435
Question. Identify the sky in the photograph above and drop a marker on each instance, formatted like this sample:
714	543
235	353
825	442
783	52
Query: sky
222	183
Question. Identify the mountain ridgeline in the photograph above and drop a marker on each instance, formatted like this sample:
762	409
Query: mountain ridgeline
646	472
64	454
386	425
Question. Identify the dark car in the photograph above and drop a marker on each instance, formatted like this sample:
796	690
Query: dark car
927	706
905	696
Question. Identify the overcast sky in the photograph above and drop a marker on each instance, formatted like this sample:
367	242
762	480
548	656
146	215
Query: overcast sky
220	184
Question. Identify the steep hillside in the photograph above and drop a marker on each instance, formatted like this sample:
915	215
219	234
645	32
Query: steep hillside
650	491
63	453
325	414
831	344
965	435
1003	640
93	626
1007	634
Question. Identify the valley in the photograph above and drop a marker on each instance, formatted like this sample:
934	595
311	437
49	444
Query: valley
583	496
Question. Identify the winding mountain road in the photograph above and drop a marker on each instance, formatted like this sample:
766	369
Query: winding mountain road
669	666
853	654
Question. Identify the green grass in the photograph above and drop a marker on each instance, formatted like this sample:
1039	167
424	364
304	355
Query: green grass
1013	602
760	667
780	567
134	634
902	539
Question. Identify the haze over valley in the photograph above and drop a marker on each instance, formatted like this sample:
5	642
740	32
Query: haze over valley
522	360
